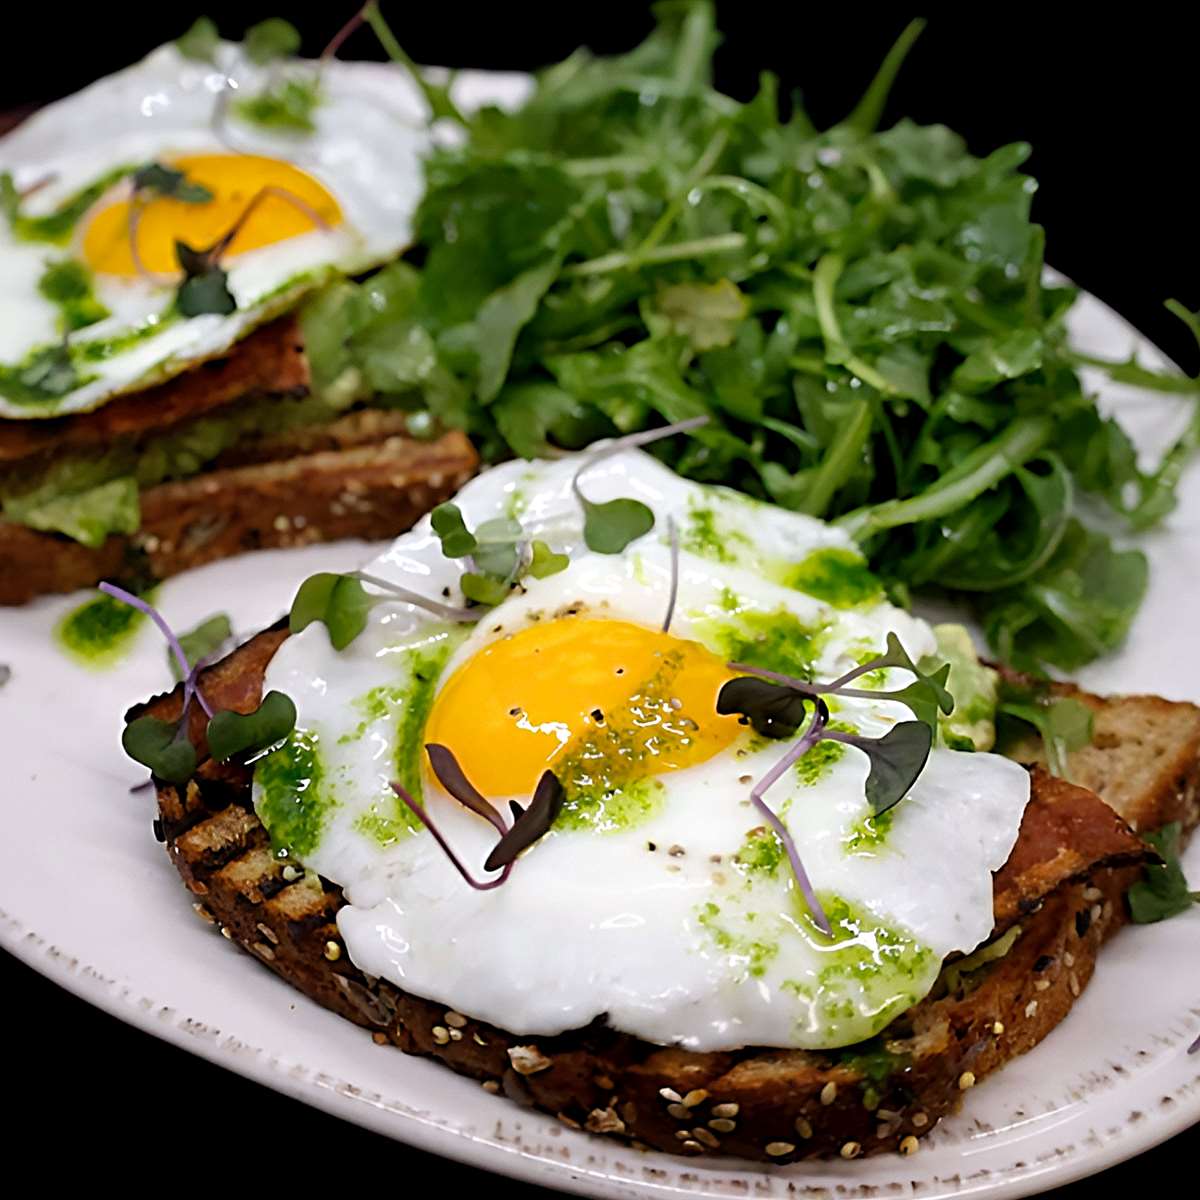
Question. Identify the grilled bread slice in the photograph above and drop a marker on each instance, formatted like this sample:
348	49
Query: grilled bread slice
358	476
1063	888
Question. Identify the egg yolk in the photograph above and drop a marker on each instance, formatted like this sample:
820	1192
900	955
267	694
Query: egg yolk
235	180
599	702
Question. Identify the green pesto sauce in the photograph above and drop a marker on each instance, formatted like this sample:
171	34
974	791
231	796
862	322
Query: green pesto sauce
873	974
68	285
839	577
57	227
762	853
748	955
776	641
293	802
810	768
604	778
99	632
609	809
865	974
389	819
704	537
93	350
869	833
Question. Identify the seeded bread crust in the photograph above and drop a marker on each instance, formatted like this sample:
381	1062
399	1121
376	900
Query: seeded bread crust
1063	885
377	486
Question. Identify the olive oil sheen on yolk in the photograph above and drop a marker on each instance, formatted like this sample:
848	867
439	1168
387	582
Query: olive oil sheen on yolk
629	701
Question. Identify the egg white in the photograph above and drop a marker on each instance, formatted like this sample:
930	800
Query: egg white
366	150
654	927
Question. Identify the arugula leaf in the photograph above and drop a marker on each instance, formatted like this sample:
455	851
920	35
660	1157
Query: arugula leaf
501	318
270	40
200	42
1064	723
707	314
162	746
167	181
208	637
862	314
232	734
1162	891
339	602
545	562
436	95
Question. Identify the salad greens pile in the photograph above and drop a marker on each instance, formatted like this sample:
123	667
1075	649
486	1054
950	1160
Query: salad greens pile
862	315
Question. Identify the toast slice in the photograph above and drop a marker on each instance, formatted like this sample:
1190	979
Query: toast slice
1062	890
353	476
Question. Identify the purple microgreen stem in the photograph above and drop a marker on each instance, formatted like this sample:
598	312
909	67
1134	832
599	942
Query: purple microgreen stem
418	811
447	611
339	39
1194	1048
142	606
802	746
673	542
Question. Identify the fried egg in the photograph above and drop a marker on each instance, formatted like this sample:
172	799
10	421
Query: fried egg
337	199
658	902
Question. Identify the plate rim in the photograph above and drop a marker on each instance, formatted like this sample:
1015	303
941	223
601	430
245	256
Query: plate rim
345	1101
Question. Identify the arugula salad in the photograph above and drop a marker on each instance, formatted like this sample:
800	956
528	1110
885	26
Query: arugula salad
862	314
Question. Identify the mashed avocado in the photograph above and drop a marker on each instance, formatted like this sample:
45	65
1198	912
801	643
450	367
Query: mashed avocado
88	495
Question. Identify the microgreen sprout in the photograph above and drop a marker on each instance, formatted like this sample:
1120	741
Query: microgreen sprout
529	824
205	284
166	746
610	526
418	810
143	606
775	705
341	604
496	554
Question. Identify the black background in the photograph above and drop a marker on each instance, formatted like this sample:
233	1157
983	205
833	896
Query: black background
1109	106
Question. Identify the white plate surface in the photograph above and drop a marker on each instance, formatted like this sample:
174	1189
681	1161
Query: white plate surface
89	899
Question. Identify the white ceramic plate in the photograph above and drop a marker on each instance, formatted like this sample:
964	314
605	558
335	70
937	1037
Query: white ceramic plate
89	899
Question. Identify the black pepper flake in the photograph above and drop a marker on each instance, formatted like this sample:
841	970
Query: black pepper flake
651	846
1042	963
446	592
597	716
1083	921
157	826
